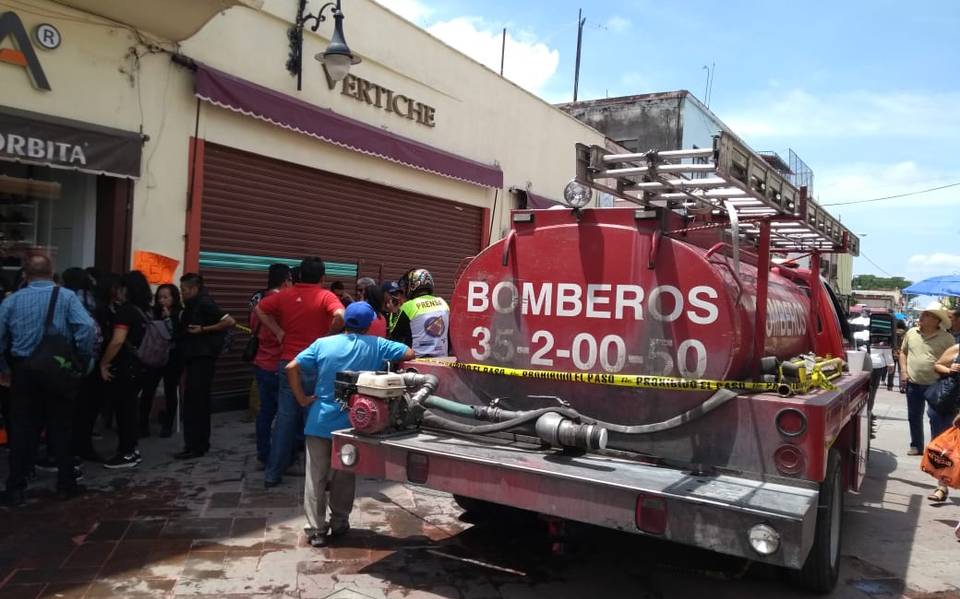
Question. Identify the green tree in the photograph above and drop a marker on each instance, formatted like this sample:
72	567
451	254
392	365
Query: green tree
875	282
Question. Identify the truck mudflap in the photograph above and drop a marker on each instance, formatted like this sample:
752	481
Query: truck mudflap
712	512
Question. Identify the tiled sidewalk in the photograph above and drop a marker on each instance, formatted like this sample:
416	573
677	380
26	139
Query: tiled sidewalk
203	527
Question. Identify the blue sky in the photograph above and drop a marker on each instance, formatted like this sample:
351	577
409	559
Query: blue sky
867	92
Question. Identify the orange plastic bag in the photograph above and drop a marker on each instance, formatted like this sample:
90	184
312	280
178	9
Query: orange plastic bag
941	458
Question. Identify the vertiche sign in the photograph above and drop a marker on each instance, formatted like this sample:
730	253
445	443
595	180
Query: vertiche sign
381	97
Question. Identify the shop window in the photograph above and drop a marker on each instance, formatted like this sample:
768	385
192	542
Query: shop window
52	212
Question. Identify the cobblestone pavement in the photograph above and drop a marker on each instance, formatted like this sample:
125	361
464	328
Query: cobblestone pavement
207	528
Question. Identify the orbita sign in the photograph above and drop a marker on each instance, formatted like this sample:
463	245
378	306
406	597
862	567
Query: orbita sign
386	99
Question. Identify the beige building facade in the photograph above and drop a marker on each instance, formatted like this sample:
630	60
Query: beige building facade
121	76
198	147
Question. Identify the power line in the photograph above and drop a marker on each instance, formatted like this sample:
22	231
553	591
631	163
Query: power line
900	195
867	258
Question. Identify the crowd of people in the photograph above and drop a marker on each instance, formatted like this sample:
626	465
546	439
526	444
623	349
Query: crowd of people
297	351
84	347
929	351
87	347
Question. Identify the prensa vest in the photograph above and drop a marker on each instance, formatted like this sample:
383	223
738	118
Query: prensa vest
429	323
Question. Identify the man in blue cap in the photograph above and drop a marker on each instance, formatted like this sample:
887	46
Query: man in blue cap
352	350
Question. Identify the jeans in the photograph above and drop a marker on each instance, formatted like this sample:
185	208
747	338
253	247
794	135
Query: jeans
268	385
196	403
33	406
89	404
915	409
938	423
288	426
169	374
125	393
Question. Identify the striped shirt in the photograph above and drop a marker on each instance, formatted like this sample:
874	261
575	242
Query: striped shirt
23	314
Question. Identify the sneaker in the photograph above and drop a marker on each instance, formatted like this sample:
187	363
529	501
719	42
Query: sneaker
131	460
914	451
46	464
319	539
77	474
15	498
70	492
91	456
339	531
187	454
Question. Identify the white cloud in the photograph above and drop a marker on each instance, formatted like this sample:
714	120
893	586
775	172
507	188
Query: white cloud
528	63
863	181
617	24
797	113
922	266
937	260
411	10
902	236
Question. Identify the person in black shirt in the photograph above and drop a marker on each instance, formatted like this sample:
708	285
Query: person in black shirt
88	401
203	326
121	368
167	308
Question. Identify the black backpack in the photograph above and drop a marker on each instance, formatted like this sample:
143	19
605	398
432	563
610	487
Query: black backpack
55	362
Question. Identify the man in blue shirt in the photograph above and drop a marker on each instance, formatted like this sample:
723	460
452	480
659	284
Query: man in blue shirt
352	350
32	404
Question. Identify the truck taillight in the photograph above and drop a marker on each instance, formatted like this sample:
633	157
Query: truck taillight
418	468
652	514
791	422
789	460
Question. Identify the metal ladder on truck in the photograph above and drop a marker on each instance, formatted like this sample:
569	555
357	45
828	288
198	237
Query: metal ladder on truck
728	185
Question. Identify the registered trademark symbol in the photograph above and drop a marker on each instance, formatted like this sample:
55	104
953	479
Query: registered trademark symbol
47	36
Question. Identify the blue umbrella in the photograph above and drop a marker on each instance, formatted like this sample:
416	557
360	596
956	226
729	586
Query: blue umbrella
946	285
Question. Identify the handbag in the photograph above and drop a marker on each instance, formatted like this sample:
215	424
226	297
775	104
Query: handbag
55	361
252	347
941	458
943	397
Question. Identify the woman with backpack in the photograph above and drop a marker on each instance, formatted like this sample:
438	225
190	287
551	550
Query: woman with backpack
122	369
166	308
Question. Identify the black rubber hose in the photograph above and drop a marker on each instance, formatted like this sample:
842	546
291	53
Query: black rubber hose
425	384
433	420
716	400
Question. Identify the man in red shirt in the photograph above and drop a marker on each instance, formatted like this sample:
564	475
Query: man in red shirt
267	360
297	316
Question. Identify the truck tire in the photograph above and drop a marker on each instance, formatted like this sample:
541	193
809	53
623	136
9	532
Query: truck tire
820	571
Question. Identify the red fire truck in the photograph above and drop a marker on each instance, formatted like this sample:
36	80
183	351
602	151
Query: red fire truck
664	368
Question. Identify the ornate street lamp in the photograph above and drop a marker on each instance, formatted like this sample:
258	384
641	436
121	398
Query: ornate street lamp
337	58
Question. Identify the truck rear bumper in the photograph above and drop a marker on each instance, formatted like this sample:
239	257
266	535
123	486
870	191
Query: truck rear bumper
711	512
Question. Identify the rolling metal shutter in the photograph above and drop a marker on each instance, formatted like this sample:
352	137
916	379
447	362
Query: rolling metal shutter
256	207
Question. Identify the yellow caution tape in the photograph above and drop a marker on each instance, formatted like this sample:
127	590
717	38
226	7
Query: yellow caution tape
243	329
634	380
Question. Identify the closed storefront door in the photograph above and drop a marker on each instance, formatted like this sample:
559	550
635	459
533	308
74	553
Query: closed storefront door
256	210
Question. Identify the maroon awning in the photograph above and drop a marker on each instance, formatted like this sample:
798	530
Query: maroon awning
260	102
529	200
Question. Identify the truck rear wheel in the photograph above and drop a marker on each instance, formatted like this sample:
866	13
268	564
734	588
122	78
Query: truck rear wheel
820	571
